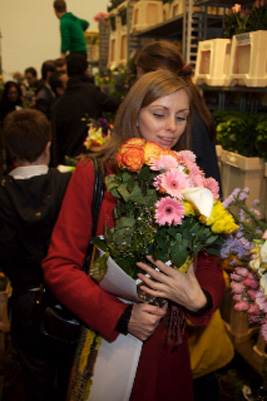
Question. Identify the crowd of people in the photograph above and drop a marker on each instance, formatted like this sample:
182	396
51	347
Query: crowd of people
45	215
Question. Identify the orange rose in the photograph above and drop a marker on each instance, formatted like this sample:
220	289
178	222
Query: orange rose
132	143
133	159
119	159
152	151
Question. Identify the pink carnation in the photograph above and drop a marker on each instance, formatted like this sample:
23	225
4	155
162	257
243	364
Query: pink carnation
169	211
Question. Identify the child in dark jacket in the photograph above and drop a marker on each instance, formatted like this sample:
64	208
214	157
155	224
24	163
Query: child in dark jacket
30	199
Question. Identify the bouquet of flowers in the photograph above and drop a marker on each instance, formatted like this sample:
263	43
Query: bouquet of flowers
165	208
98	131
247	251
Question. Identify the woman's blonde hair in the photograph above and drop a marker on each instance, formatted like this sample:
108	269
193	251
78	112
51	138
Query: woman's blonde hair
146	90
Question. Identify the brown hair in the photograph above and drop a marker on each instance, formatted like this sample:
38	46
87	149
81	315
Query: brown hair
165	55
146	90
26	133
60	6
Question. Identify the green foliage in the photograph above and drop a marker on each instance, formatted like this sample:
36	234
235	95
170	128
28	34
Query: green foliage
118	81
242	132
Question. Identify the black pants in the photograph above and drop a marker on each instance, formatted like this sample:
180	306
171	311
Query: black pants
46	371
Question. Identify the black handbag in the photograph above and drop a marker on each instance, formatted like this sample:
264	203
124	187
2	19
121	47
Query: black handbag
57	324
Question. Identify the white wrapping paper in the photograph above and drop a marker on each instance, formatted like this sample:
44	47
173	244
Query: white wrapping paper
116	362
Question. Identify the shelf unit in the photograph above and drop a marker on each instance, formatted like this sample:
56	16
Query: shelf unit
189	27
240	98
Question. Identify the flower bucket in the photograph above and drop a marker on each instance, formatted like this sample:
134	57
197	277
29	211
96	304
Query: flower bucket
248	60
146	13
213	57
239	172
4	320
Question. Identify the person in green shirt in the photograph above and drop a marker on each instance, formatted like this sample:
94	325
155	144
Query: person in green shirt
72	30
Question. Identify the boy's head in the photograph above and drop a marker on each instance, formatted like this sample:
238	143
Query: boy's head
27	134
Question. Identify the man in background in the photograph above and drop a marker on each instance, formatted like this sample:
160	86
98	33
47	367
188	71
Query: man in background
34	83
72	30
45	95
81	98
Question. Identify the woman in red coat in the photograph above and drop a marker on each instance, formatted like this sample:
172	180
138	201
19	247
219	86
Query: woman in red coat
156	108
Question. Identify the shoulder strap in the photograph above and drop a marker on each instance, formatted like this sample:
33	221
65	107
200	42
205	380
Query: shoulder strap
96	205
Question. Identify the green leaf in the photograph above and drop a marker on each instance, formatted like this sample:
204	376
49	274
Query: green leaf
125	222
179	254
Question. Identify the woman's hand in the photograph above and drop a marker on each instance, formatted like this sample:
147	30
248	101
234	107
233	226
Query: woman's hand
181	288
145	319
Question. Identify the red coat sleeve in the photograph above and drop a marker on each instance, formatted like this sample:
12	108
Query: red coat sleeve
210	276
98	309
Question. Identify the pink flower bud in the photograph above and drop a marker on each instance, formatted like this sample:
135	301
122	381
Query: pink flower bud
237	297
251	282
241	306
237	288
253	309
236	277
242	271
252	294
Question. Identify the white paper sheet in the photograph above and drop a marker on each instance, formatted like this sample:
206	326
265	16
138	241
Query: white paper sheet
116	362
115	369
117	282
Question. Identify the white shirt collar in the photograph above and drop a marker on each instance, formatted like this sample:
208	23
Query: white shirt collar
25	172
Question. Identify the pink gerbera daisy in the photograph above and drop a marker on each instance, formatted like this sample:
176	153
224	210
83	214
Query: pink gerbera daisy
164	162
169	211
213	186
172	182
187	157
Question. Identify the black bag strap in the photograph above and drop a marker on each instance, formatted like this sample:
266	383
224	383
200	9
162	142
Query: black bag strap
96	205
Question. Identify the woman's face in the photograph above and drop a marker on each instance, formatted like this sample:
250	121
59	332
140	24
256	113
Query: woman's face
164	120
12	94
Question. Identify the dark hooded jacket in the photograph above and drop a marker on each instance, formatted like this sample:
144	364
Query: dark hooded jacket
28	211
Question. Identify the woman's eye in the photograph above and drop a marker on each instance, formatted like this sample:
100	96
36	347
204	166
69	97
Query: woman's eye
158	115
181	118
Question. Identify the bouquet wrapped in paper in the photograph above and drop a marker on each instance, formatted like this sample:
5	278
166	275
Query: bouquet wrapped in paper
166	208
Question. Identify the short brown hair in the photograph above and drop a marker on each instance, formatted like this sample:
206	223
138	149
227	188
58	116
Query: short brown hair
26	133
60	6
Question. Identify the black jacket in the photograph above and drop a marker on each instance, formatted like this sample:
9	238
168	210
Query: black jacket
28	212
69	131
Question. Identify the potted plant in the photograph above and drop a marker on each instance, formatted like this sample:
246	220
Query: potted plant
243	156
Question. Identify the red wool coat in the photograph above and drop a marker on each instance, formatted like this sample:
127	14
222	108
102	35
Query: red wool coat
163	372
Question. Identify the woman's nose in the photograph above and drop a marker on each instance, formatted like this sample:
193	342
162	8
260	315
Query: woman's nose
171	124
